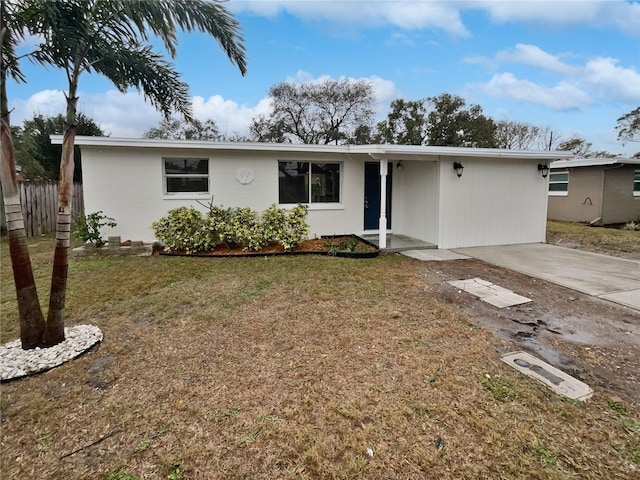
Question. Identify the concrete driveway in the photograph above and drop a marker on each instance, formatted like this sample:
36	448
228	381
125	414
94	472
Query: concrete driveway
610	278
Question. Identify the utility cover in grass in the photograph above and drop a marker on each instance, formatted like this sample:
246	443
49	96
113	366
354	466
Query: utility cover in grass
488	292
558	381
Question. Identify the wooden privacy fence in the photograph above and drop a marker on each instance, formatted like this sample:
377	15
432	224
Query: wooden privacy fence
39	201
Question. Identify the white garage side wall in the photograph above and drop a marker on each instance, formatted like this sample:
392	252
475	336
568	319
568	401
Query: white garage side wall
495	202
415	200
128	185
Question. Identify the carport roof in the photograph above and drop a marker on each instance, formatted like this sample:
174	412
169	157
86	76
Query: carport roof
377	152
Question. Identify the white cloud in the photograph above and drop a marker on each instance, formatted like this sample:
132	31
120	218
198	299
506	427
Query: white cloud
230	117
619	14
410	15
612	82
446	16
599	80
562	96
480	60
128	115
534	56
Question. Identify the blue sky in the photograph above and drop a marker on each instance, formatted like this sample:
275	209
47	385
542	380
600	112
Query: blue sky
571	66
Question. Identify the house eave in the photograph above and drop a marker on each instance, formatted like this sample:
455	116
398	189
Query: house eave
593	162
377	152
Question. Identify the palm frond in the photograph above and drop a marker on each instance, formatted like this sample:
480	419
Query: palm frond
163	17
140	67
11	33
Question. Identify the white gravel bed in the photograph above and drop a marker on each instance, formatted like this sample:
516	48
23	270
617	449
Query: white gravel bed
16	362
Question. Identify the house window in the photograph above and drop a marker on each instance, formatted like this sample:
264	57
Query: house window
309	182
636	183
186	175
559	183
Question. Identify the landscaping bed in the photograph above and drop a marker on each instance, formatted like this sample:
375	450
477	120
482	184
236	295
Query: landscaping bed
347	246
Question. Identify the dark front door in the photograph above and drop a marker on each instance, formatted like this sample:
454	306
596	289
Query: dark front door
372	195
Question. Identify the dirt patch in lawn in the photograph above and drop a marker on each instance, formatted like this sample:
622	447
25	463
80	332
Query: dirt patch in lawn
591	339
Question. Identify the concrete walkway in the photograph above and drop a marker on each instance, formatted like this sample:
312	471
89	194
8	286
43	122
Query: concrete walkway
610	278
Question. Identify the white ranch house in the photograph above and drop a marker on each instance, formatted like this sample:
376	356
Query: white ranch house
387	190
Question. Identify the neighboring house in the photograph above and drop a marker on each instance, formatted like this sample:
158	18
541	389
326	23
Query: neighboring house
599	191
499	198
19	175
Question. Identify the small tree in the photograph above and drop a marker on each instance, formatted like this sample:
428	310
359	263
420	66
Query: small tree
517	135
176	129
36	132
109	38
88	228
316	113
628	126
576	145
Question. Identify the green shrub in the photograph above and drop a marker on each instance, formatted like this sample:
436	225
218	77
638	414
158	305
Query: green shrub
88	228
286	227
184	229
244	228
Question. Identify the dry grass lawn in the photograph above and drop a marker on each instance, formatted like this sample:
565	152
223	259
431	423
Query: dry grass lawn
610	241
294	368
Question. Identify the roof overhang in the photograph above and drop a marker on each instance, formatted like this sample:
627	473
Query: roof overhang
594	162
377	152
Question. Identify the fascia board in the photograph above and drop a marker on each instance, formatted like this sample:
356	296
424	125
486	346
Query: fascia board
378	152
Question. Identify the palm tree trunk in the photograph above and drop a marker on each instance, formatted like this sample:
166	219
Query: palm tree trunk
54	331
31	318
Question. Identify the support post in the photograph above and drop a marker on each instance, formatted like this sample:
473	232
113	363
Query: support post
382	225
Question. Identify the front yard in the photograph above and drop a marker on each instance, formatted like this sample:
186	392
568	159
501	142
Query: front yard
293	367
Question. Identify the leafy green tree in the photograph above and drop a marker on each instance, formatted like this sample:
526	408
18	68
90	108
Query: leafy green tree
628	126
316	113
451	124
443	120
576	145
406	123
110	38
363	135
176	129
26	153
33	139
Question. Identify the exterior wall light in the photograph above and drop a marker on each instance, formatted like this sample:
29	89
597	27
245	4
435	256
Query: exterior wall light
543	169
458	167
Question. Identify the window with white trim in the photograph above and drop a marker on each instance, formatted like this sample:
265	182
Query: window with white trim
636	183
186	175
559	183
309	182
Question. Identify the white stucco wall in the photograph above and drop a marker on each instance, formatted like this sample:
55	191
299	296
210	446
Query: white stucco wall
495	202
415	200
127	184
